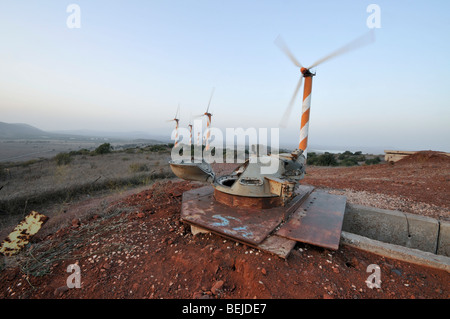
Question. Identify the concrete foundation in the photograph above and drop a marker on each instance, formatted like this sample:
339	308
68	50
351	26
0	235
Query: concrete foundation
394	227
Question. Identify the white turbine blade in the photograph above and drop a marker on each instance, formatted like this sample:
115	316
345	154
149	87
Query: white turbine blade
287	113
359	42
282	45
210	98
178	110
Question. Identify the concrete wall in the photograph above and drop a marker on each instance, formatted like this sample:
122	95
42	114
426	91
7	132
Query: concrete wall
444	239
394	227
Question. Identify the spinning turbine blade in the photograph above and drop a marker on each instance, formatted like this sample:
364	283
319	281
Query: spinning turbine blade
288	111
363	40
210	98
178	110
282	45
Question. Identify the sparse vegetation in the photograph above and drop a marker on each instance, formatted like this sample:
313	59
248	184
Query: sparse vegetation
138	167
373	161
346	158
326	159
105	148
83	151
3	173
63	159
38	184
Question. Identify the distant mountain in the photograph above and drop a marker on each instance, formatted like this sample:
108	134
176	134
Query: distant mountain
117	135
11	131
20	130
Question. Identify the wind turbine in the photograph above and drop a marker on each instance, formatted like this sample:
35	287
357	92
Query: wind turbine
177	120
306	73
208	121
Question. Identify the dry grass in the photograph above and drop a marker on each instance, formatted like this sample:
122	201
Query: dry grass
34	185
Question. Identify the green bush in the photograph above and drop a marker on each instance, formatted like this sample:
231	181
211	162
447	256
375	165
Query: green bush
63	159
326	159
350	161
105	148
156	148
373	161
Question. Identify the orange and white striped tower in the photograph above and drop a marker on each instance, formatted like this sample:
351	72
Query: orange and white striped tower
176	132
304	126
190	134
357	43
208	130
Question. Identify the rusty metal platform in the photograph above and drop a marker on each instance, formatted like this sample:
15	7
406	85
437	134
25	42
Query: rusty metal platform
313	217
248	225
318	221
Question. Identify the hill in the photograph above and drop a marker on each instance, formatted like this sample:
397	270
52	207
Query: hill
20	130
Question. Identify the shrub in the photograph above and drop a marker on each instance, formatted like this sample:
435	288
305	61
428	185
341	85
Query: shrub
373	161
350	161
105	148
326	159
63	159
156	148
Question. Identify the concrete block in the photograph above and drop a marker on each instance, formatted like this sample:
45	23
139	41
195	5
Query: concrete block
423	233
444	239
408	230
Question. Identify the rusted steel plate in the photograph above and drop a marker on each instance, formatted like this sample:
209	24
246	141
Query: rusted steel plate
22	233
318	221
277	245
196	193
248	225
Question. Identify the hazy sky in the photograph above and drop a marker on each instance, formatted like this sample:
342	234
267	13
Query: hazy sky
132	62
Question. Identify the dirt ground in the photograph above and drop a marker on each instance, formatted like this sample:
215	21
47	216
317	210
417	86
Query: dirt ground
136	247
417	184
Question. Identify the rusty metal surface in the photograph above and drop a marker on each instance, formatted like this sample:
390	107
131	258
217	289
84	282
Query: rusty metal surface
248	202
277	245
318	221
248	225
196	193
22	233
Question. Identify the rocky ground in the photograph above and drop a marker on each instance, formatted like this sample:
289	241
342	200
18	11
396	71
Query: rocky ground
136	247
